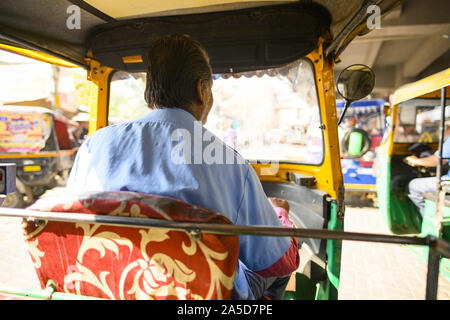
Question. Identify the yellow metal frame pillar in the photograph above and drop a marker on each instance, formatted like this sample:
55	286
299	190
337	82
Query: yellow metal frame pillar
100	76
329	176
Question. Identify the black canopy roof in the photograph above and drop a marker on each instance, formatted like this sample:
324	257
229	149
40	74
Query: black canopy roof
239	35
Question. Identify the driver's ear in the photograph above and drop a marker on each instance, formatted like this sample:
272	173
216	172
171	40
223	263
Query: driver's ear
201	92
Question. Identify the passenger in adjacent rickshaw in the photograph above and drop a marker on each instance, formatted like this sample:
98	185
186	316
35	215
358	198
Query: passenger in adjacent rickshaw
418	186
147	156
81	132
350	123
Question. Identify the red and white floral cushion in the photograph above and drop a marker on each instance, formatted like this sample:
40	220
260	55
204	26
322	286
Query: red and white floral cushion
117	262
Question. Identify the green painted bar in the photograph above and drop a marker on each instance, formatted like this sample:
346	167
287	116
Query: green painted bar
46	294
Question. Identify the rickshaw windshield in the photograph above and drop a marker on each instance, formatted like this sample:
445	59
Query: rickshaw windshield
265	115
418	121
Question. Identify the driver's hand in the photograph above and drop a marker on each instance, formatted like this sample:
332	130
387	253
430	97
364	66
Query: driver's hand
411	160
282	209
276	202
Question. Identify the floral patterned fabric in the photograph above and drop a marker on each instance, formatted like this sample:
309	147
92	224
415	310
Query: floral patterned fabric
118	262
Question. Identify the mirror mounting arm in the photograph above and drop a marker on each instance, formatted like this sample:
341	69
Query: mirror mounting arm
347	104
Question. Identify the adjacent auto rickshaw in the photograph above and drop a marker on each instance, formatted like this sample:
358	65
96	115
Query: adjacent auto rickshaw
287	45
39	142
416	126
360	134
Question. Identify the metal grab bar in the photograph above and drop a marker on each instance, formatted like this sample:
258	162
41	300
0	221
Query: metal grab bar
226	229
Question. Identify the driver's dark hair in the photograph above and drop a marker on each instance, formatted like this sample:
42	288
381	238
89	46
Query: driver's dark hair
175	64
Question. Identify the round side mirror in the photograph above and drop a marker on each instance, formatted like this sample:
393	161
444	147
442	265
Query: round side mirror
355	82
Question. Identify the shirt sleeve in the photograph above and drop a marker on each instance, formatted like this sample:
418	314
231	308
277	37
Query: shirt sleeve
268	256
82	175
445	149
76	171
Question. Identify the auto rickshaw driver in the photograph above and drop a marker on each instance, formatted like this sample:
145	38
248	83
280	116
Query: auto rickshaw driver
140	156
418	186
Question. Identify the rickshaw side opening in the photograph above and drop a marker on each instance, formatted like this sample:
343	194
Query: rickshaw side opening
419	112
39	142
360	134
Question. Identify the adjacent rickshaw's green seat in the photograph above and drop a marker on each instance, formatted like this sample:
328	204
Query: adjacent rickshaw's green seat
355	143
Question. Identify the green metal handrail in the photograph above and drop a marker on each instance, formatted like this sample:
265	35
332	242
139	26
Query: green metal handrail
49	293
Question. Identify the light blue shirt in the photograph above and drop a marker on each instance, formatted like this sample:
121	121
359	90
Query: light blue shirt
445	156
169	153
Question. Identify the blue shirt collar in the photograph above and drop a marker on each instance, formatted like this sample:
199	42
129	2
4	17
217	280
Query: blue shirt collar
173	115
